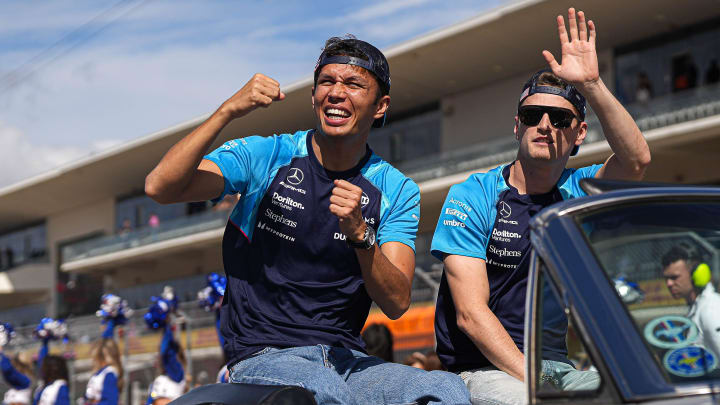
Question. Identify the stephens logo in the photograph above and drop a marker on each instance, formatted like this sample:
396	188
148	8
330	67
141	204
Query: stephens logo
295	176
279	218
504	252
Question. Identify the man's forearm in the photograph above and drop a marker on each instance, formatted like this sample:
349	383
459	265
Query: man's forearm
621	131
384	282
493	341
175	171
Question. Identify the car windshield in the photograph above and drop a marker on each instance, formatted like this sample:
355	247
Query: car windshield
664	260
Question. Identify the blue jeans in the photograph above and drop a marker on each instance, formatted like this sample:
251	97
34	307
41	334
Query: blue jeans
490	386
343	376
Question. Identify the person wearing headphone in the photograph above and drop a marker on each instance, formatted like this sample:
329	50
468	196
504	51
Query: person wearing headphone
687	276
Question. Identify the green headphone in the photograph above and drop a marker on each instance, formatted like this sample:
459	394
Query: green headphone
701	275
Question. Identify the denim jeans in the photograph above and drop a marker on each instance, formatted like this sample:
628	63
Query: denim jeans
343	376
490	386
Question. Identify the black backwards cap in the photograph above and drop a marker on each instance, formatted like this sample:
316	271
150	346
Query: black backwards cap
373	60
569	93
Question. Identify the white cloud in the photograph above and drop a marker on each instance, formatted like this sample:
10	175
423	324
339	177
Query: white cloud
21	158
169	62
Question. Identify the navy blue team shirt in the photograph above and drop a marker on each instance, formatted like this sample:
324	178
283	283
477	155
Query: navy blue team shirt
486	218
292	279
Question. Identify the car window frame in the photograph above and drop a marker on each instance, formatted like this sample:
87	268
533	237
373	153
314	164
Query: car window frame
533	343
548	234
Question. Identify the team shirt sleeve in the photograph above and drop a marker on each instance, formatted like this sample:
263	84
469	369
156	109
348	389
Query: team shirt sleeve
401	223
240	159
582	173
110	393
463	227
63	396
14	378
168	351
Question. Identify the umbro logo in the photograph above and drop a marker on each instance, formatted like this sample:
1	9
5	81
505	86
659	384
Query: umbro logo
295	176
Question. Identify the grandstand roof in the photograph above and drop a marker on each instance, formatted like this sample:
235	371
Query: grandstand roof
498	44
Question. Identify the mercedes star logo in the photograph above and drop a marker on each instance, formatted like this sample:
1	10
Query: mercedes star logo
505	210
295	176
364	200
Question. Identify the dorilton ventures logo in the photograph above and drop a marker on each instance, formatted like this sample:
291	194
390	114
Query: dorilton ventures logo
286	202
295	176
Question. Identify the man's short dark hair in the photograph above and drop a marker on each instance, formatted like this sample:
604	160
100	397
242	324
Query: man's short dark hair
378	341
550	79
350	46
682	251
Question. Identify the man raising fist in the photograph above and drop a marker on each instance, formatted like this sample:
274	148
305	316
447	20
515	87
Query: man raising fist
323	228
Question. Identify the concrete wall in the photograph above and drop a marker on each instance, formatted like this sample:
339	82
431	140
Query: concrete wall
74	225
480	114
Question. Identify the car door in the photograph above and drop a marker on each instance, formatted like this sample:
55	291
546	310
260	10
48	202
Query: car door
598	261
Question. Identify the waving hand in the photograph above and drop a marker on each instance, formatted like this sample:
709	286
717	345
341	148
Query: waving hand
579	64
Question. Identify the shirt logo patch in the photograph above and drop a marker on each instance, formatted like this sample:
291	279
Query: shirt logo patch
295	176
452	211
364	200
286	202
461	204
505	210
453	222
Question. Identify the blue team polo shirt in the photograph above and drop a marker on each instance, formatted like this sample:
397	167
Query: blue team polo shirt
292	279
485	217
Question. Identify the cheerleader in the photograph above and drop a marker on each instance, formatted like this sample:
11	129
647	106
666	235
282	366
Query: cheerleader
53	388
16	373
211	298
170	384
106	383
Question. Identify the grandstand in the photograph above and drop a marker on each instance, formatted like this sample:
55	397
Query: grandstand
82	230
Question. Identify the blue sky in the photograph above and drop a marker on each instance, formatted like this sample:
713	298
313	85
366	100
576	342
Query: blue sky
80	76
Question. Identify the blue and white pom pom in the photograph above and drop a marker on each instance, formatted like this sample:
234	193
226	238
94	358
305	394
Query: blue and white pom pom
112	307
158	313
168	295
210	297
52	329
7	333
629	292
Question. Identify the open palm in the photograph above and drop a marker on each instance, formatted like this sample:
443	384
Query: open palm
579	63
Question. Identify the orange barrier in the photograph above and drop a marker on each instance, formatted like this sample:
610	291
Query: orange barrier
414	330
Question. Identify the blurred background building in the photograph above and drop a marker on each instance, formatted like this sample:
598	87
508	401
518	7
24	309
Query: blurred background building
72	234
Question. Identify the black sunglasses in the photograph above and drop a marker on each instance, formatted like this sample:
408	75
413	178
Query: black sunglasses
531	115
